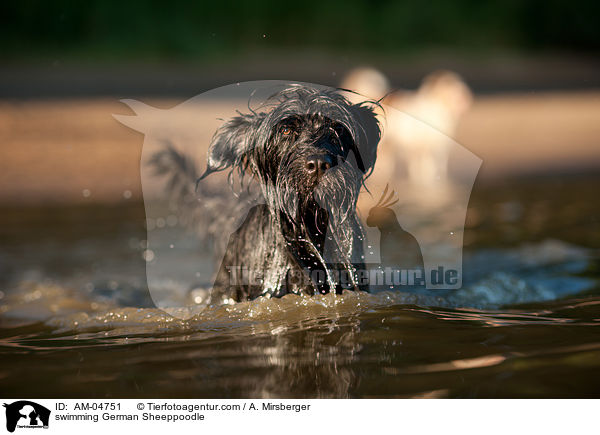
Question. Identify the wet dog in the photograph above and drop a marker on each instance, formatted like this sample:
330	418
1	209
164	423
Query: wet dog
309	151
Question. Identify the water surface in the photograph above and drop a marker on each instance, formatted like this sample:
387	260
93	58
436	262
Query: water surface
76	319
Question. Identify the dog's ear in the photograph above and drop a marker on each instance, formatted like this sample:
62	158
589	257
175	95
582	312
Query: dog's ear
232	143
367	136
346	138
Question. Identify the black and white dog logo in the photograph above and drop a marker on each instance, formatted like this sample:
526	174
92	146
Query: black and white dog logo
26	414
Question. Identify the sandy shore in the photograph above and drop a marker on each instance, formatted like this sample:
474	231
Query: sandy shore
74	150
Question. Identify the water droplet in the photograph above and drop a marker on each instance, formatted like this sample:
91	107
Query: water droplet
148	255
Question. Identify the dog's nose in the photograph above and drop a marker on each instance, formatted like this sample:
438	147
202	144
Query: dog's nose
317	165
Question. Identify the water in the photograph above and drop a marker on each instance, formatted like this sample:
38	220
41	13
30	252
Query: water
76	319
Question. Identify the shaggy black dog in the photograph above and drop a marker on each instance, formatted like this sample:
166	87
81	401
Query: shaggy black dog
309	150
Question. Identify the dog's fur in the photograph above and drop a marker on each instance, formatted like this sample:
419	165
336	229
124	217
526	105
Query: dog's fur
306	233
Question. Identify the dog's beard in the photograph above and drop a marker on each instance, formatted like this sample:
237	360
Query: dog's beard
337	194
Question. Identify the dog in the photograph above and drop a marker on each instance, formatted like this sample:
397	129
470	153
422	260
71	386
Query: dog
420	148
309	151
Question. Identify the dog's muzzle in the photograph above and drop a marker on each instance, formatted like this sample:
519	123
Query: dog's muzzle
317	165
326	157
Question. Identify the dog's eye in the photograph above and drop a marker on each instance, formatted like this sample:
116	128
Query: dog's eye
286	130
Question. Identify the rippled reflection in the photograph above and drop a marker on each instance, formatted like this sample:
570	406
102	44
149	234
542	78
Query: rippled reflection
76	322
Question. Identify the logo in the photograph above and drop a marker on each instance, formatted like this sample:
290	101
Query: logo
403	231
26	414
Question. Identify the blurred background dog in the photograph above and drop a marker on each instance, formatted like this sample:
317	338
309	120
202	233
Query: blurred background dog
415	148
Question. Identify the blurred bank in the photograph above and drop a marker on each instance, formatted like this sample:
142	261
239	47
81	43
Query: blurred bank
533	68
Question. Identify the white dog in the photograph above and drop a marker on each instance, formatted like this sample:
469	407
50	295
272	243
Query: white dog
412	139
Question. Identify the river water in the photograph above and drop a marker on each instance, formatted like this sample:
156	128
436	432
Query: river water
76	319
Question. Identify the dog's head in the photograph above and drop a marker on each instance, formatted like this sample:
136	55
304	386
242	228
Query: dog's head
303	144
